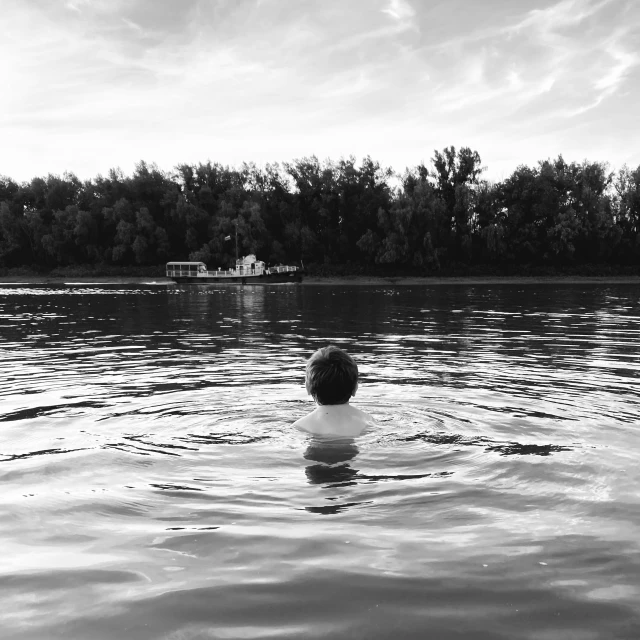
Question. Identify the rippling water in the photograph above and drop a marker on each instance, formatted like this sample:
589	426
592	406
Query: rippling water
152	486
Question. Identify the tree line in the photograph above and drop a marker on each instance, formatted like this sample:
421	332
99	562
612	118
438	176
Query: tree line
328	214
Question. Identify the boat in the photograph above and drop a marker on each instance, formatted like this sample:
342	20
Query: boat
248	270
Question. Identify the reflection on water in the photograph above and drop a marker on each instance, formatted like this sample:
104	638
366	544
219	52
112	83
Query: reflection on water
332	461
506	449
153	486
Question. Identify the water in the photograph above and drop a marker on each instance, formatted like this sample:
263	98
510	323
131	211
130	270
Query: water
152	486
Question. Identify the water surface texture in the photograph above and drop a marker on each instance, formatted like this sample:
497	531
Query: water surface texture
152	486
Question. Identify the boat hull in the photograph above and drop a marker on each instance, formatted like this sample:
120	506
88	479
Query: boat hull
265	278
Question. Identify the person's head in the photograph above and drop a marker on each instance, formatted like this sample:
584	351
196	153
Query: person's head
332	376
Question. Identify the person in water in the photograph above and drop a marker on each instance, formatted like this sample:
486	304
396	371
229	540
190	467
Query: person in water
332	380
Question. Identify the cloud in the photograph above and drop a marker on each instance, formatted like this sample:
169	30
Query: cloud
623	62
133	25
562	14
567	49
399	10
611	79
107	82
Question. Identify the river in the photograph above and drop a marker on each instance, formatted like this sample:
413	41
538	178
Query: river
152	486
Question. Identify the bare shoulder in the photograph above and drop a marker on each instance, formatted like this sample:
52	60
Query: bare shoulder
343	420
363	415
305	423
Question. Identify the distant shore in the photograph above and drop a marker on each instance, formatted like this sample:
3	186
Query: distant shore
472	280
41	280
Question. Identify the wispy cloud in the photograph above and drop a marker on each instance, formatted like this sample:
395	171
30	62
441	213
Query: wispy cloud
622	63
93	84
561	14
399	10
133	25
73	6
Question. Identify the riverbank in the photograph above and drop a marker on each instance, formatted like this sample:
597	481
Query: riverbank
345	274
41	280
472	280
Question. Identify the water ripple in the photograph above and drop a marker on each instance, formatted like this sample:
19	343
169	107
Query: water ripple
153	486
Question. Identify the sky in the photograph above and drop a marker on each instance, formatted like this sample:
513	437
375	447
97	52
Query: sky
90	85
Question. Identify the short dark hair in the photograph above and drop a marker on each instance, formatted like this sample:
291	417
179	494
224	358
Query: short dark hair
332	376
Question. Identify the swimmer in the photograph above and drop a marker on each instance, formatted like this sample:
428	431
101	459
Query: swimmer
332	380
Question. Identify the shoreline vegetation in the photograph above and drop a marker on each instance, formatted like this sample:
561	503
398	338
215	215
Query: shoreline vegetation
335	219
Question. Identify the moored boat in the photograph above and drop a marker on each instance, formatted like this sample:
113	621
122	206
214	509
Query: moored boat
248	270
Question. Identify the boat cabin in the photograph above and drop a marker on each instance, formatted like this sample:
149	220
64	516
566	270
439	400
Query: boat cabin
249	264
185	269
246	266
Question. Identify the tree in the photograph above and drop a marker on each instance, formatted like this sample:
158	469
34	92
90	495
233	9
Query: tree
455	176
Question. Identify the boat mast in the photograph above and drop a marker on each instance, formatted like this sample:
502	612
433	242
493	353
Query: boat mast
236	221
